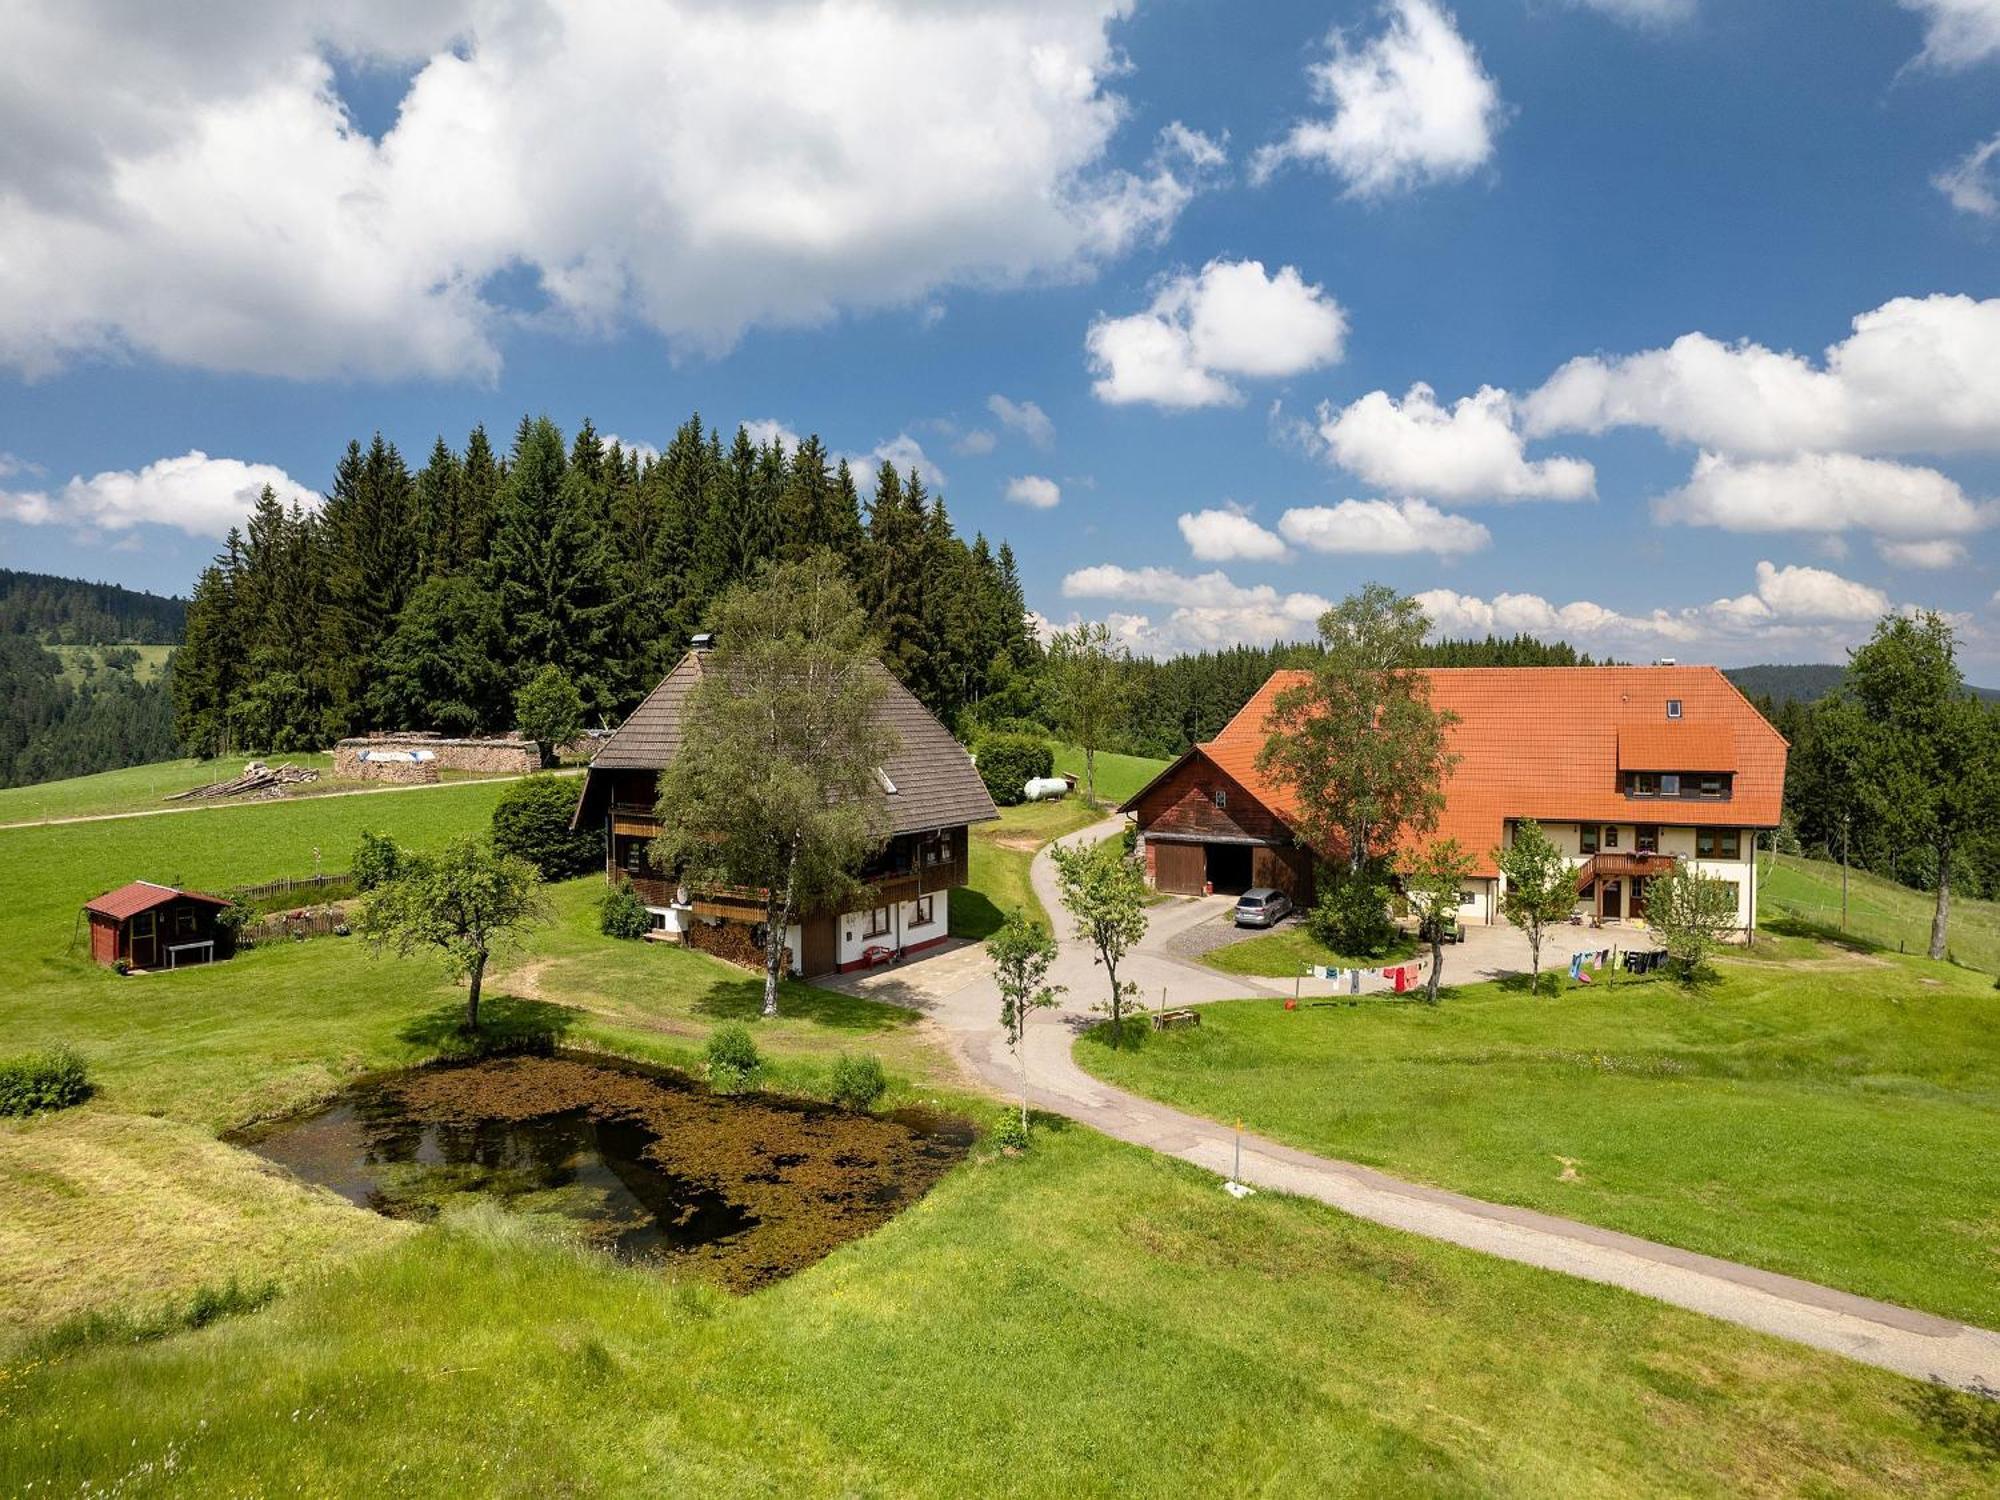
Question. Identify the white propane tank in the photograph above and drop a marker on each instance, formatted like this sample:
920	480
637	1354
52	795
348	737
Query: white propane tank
1045	788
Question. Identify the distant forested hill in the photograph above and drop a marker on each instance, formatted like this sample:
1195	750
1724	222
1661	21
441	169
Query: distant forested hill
71	612
1805	682
101	707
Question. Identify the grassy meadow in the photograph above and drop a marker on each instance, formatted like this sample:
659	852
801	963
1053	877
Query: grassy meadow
1085	1319
1838	1121
1118	776
1797	895
1289	950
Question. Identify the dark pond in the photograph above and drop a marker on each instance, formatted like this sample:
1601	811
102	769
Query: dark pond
643	1164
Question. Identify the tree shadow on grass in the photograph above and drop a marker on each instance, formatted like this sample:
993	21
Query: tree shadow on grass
974	916
1791	924
507	1023
743	1000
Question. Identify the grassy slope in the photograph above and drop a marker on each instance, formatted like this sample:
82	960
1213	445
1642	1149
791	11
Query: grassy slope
1118	776
1288	950
1805	893
75	659
1088	1320
1840	1122
1000	855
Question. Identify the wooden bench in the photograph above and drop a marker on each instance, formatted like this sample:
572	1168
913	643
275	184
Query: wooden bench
1167	1020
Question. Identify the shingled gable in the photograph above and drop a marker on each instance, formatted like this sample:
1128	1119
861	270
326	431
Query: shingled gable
1549	742
936	784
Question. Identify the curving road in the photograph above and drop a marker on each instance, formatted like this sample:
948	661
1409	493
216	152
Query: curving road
956	990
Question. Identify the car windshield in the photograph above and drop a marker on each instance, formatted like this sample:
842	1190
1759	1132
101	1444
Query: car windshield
1251	901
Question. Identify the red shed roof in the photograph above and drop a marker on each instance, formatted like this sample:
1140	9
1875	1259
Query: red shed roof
144	895
1549	742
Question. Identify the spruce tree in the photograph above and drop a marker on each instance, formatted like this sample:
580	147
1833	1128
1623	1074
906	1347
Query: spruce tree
437	509
370	567
478	504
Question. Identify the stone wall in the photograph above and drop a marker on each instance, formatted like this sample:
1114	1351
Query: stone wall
420	757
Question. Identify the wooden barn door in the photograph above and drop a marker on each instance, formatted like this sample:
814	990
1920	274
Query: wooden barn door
816	937
1180	869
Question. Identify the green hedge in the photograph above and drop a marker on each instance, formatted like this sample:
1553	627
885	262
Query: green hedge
1008	762
54	1079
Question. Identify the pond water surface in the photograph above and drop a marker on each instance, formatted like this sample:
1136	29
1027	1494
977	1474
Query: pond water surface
741	1190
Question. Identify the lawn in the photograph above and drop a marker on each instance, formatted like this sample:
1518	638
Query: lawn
1087	1319
79	660
1289	950
1804	895
1000	855
1839	1121
1118	776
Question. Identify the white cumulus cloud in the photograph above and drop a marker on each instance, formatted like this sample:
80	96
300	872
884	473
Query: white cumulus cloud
1229	320
1643	12
1823	492
1918	374
1024	417
194	493
1386	527
186	183
1206	609
1934	556
1226	534
1411	106
1957	33
1034	491
1472	451
766	430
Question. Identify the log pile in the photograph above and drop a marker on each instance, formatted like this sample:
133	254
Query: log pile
257	780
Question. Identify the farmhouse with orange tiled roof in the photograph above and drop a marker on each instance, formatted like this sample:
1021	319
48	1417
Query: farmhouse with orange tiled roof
1626	768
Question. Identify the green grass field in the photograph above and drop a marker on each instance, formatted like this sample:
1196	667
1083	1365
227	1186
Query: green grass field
1804	895
1000	855
1118	776
1839	1122
78	661
1087	1319
1289	950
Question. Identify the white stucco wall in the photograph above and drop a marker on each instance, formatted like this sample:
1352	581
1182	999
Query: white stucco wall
851	937
1678	841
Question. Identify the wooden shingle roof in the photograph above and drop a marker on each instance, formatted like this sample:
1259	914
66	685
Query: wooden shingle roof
936	784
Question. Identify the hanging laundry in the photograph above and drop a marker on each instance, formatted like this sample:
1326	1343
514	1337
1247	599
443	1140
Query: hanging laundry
1354	982
1401	979
1576	966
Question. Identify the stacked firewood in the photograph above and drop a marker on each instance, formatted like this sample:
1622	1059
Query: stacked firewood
257	780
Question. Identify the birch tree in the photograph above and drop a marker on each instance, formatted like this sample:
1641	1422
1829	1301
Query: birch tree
1541	888
1022	952
777	786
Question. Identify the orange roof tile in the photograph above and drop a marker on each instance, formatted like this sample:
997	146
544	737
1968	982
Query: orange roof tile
1545	743
1676	745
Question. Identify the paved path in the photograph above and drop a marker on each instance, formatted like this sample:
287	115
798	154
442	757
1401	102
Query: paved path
961	998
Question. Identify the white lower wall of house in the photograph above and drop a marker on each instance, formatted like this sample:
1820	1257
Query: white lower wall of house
852	937
1674	841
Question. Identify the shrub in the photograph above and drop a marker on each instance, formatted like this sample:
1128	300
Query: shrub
733	1063
531	822
1009	1134
1352	917
377	861
1007	762
549	710
54	1079
858	1081
621	914
229	924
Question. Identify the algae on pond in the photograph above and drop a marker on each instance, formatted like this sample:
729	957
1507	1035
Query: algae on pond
742	1190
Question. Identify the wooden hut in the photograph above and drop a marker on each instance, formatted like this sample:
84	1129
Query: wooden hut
153	926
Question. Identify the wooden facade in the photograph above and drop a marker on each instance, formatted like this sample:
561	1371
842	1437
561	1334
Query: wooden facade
1204	830
155	927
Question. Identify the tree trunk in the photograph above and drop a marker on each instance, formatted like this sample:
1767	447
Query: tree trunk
1941	918
472	993
1534	961
1437	961
1117	1001
777	920
1021	1055
1090	774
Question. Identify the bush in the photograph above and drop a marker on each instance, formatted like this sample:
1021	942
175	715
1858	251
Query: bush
733	1063
1009	1134
549	710
1007	762
531	822
229	924
858	1081
1352	917
54	1079
621	914
377	861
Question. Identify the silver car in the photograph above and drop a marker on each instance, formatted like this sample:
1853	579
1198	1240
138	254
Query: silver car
1262	907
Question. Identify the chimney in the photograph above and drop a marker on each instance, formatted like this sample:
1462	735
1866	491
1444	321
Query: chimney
705	641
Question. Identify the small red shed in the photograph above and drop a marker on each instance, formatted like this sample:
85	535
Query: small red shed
154	926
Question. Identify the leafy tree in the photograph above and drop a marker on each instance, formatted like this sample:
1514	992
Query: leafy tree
377	861
1351	917
1007	762
1084	685
775	787
466	901
1432	880
1692	913
1022	952
1105	895
1540	888
1357	742
549	711
531	822
621	914
442	668
1917	752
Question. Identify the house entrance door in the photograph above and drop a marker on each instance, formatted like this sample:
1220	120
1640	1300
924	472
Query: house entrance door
1614	898
145	942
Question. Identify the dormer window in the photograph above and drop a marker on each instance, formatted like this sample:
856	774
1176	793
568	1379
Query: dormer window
1673	708
882	780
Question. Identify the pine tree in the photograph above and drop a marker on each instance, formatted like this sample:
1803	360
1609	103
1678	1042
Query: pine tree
437	511
478	504
551	569
370	568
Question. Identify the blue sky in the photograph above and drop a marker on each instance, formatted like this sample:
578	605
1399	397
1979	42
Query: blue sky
1215	254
